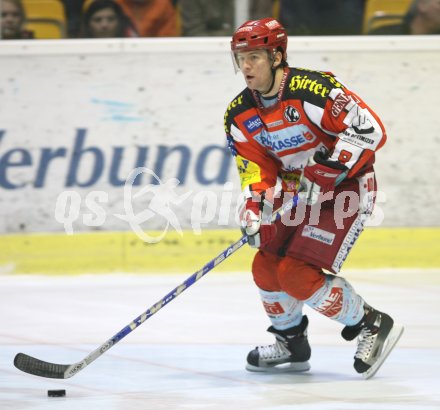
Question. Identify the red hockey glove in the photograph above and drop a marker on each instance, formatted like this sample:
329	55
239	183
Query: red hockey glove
259	232
319	177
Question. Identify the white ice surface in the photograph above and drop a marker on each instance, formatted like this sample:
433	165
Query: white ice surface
191	354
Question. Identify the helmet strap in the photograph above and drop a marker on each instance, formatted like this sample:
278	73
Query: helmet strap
273	71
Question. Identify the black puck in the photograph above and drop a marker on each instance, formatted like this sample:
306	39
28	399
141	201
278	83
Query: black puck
56	393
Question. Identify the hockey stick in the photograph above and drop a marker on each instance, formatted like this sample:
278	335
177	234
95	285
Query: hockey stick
37	367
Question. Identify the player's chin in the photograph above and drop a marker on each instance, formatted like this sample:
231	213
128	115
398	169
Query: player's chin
250	82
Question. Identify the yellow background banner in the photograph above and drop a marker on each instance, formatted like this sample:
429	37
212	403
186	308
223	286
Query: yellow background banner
103	252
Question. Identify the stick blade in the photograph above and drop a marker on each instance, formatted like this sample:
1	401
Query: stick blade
37	367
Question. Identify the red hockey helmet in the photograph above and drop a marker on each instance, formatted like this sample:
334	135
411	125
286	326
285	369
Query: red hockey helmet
266	33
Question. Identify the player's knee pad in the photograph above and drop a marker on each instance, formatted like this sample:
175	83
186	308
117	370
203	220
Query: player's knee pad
264	271
298	278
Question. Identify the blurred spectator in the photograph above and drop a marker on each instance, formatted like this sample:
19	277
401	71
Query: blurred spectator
260	9
152	18
208	18
322	17
105	19
13	20
423	17
73	11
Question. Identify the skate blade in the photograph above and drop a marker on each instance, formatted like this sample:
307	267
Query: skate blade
281	368
391	341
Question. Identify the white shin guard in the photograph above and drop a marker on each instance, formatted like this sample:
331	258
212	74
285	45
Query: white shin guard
283	310
338	300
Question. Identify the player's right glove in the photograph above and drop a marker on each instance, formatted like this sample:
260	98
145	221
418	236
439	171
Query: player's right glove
260	233
319	176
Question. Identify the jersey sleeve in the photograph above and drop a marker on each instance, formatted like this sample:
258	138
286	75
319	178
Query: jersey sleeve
257	169
358	131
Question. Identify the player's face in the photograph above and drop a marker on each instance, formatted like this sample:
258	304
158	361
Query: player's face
256	68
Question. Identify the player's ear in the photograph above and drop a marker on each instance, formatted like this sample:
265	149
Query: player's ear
277	58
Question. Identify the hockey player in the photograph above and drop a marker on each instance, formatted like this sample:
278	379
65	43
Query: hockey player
302	131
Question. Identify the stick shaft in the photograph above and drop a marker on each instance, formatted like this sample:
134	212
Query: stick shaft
38	367
179	289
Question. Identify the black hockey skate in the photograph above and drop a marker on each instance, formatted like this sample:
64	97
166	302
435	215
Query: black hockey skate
290	353
377	335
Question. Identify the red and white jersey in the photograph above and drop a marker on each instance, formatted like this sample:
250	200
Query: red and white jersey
313	111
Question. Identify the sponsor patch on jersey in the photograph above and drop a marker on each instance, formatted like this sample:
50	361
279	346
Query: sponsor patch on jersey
317	234
291	114
291	180
361	141
254	123
248	171
303	82
339	104
289	138
274	124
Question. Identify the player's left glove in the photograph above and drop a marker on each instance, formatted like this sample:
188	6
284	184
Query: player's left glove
319	177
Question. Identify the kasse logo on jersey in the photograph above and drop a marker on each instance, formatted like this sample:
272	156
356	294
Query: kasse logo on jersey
289	138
